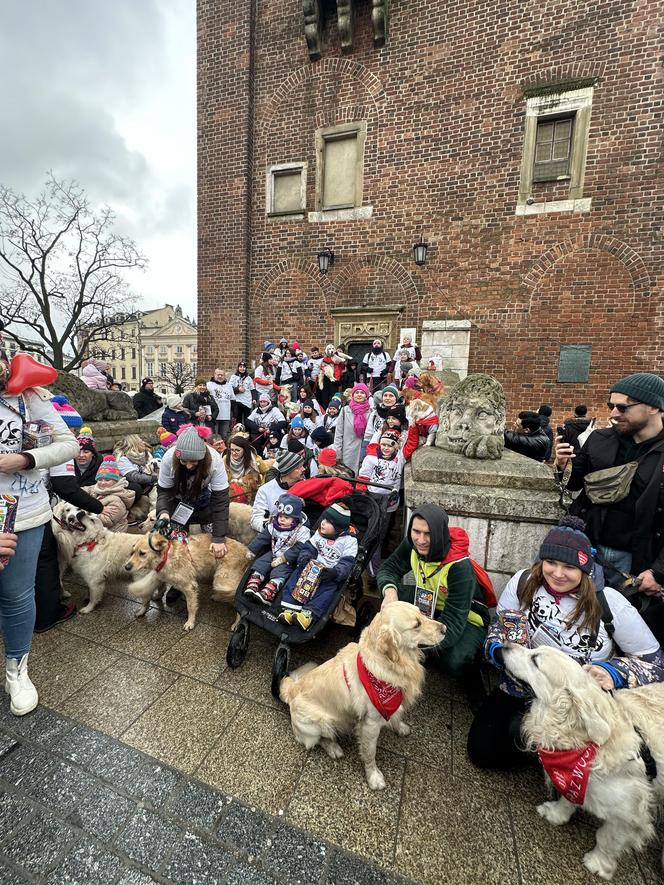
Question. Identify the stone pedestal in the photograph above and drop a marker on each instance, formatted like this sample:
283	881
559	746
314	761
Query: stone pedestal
506	506
108	433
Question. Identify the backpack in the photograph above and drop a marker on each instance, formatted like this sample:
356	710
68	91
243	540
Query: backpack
485	584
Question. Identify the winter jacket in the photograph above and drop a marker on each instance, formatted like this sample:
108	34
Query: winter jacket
117	500
288	544
63	482
573	428
88	475
28	485
347	445
145	402
194	401
533	445
173	420
93	378
546	427
215	485
336	554
600	451
266	497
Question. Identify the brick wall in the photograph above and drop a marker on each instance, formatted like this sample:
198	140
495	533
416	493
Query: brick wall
444	107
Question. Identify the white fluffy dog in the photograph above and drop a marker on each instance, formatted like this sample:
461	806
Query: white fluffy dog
570	711
331	699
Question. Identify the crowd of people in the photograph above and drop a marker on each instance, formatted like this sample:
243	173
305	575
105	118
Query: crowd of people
594	591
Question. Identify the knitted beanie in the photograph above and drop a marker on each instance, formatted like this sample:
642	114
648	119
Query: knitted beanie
327	457
289	505
393	437
335	402
108	469
268	345
321	437
287	462
644	387
308	402
67	412
390	388
338	514
568	543
296	422
85	437
166	438
190	446
264	398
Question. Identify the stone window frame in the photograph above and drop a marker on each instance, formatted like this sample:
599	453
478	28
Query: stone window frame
553	103
348	213
274	170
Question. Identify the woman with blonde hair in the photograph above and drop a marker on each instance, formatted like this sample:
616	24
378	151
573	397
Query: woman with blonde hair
560	601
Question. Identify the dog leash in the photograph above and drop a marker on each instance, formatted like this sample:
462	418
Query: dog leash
646	755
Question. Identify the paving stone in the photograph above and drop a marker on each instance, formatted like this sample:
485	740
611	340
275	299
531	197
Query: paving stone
198	862
102	813
118	764
25	766
294	857
82	744
13	810
63	787
148	839
199	805
246	829
40	845
155	783
135	877
86	863
7	742
243	874
9	876
43	725
346	869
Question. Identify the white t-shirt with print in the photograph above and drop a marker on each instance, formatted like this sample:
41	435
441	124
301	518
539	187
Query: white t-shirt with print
247	383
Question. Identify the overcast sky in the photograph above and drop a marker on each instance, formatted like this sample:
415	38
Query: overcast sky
105	92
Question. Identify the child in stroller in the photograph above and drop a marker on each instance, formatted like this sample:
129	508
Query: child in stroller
276	549
323	564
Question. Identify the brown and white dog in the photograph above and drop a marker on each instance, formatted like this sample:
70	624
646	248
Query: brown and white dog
364	687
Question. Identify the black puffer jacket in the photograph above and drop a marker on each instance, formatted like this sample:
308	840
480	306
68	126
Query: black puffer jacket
574	427
145	402
533	445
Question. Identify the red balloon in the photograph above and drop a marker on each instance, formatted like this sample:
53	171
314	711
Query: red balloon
25	371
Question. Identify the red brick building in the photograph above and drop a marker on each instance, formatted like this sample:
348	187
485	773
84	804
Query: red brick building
523	141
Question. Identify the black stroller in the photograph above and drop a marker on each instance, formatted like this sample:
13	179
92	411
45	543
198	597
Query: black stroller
366	518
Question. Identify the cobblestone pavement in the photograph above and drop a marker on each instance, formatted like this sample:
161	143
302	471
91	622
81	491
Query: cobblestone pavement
149	760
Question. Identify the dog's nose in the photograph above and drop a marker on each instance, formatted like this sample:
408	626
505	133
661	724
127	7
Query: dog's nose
127	566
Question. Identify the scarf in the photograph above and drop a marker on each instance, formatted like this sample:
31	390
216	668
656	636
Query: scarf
360	416
138	458
569	770
236	468
556	595
385	697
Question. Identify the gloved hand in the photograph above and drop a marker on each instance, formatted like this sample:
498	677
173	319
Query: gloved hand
162	525
498	657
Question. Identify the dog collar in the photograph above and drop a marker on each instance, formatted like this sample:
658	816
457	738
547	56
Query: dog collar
86	545
385	697
647	756
569	770
164	557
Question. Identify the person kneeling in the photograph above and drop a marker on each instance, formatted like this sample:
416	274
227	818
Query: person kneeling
276	549
324	564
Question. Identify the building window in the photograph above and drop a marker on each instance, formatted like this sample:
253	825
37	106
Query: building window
553	149
163	348
133	373
150	368
133	353
179	348
555	146
162	369
286	189
340	166
122	353
149	350
193	368
124	373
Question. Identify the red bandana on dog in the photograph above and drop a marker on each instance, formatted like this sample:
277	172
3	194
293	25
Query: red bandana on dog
385	697
569	770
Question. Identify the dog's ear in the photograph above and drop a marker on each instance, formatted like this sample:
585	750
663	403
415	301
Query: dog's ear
156	541
388	643
592	713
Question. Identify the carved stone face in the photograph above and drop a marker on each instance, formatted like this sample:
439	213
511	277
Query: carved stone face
472	418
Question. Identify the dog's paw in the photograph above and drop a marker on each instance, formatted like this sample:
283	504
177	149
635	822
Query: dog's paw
375	780
599	864
189	625
86	609
555	813
403	729
142	610
333	749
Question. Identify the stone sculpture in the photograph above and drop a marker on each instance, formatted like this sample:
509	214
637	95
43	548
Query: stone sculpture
379	15
472	418
345	24
94	405
312	27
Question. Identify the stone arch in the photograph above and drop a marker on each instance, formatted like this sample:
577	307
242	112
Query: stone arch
285	266
568	72
634	264
290	299
377	268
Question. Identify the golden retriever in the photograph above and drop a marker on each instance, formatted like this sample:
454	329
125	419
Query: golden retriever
330	700
183	566
569	711
239	523
94	553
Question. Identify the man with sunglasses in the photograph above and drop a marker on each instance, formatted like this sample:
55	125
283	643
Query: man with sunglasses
628	534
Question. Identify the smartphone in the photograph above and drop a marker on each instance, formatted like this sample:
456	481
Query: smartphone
560	431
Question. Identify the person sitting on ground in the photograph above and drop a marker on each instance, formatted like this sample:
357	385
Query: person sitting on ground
88	460
351	428
242	469
174	415
276	549
202	405
146	400
575	426
217	442
296	430
264	418
114	493
289	469
545	413
193	474
132	454
446	589
328	558
529	439
558	602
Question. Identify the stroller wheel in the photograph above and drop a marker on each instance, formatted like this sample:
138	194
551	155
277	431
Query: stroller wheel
279	668
366	611
237	647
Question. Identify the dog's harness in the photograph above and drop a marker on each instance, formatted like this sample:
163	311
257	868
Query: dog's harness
86	545
385	697
647	756
164	557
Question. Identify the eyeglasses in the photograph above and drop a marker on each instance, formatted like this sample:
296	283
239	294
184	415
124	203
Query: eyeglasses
621	407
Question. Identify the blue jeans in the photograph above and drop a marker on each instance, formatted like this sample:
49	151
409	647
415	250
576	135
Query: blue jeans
17	593
614	562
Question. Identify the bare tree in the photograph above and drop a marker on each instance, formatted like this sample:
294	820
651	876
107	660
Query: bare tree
61	271
178	377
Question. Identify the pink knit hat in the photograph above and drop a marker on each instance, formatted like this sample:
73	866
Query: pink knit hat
108	469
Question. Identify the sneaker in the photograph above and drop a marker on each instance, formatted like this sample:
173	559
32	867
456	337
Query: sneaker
65	614
287	616
305	619
253	586
268	593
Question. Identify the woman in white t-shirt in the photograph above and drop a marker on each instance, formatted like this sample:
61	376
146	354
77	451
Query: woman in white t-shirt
560	602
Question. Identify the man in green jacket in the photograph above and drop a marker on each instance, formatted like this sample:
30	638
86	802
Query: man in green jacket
445	588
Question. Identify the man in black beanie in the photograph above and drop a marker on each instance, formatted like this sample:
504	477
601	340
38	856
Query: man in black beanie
627	533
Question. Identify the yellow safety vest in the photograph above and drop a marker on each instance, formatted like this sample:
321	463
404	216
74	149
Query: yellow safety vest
433	577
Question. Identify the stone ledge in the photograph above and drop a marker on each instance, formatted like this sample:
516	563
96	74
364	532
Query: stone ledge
108	433
434	465
517	505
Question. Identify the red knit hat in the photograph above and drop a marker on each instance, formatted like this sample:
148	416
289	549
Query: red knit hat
327	457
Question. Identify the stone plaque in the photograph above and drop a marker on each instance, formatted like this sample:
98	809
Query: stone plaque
574	365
